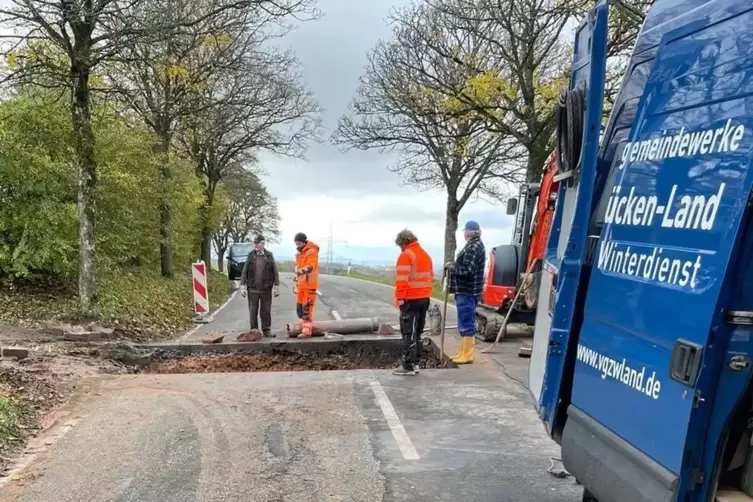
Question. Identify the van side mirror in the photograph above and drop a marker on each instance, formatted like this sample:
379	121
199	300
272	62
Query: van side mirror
512	206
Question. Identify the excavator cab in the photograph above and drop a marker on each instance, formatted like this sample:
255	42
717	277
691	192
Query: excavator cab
514	266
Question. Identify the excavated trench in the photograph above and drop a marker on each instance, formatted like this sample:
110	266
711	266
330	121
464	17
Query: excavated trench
311	356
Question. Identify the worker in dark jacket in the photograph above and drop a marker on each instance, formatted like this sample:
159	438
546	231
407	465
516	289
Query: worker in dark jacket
260	280
466	276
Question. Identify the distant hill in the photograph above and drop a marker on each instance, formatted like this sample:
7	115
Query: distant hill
366	260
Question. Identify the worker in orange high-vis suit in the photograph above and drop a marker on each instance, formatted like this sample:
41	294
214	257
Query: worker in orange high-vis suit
414	278
307	281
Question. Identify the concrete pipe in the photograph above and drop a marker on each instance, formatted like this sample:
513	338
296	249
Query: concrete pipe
341	327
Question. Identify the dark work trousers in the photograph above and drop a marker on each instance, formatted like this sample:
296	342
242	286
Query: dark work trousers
412	321
260	305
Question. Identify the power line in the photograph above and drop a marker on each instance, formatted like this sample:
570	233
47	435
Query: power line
331	241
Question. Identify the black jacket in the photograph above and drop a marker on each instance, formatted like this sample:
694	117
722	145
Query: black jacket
271	276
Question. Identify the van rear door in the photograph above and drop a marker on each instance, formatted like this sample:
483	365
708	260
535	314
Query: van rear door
561	275
648	354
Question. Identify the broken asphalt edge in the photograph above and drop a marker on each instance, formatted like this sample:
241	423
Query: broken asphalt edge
268	345
271	345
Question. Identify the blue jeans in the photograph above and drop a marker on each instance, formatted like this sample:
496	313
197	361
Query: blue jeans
466	309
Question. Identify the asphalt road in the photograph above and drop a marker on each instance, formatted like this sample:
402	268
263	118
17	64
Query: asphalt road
356	298
341	297
445	435
233	318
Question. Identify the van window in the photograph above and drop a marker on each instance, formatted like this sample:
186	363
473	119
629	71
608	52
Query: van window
611	147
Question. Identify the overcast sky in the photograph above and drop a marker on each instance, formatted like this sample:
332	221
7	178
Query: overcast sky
355	193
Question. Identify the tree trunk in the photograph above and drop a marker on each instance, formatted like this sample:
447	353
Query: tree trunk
206	244
207	232
165	213
87	182
221	259
539	150
450	228
536	164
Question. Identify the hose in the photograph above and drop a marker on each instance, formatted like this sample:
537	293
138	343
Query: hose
570	124
560	474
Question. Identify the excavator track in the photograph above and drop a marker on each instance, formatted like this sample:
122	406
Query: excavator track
488	323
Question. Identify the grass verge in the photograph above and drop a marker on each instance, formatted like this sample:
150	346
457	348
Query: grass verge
139	304
11	420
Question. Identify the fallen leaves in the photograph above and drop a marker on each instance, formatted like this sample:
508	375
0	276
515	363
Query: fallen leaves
139	306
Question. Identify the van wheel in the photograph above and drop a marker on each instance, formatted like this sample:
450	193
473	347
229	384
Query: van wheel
587	497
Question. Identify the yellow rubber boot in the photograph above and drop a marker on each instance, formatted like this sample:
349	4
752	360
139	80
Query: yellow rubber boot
467	351
461	351
461	358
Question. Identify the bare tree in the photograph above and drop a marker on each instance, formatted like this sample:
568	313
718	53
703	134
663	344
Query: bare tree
403	105
259	105
625	22
517	83
251	211
158	80
63	43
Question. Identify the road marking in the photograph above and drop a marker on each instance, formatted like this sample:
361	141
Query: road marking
211	316
393	421
336	315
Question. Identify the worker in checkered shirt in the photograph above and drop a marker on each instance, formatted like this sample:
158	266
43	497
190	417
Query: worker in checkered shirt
466	281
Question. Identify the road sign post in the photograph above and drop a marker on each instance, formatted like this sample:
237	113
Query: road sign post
200	293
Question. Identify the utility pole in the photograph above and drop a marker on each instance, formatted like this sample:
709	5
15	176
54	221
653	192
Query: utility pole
329	257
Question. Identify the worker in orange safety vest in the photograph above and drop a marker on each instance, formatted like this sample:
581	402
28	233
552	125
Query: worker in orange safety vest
414	278
307	281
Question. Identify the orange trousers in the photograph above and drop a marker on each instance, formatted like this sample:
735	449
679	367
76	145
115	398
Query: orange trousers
305	302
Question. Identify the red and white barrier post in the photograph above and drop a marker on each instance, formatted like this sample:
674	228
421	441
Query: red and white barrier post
200	292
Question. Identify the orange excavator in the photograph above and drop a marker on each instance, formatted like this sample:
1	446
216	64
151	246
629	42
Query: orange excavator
518	265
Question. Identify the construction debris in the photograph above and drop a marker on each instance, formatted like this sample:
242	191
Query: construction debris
524	352
250	336
17	352
386	330
90	333
215	338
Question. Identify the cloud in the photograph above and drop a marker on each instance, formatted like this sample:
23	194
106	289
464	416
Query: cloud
489	217
405	211
371	222
353	196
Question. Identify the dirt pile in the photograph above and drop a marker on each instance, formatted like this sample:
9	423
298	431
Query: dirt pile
284	360
37	384
25	398
35	392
